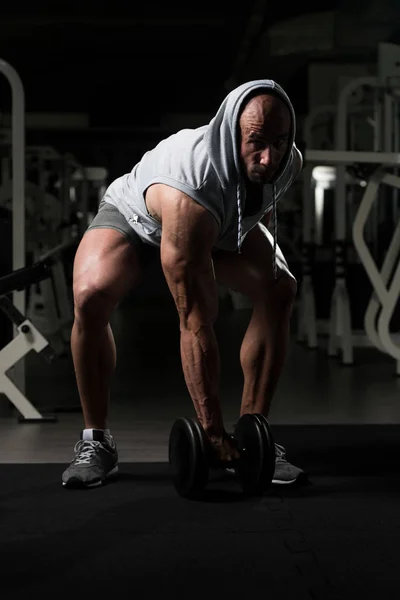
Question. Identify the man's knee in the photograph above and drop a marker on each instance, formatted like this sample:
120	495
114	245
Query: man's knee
93	305
106	267
282	292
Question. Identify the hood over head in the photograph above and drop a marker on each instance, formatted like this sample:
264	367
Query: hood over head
222	138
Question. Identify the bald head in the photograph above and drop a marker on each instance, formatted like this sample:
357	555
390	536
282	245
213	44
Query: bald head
265	125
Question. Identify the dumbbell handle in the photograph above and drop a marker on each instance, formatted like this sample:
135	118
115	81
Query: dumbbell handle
216	463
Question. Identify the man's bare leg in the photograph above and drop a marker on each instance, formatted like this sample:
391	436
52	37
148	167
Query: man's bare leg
106	267
265	343
264	347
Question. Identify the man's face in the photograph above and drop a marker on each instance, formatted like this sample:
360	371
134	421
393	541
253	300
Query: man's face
265	131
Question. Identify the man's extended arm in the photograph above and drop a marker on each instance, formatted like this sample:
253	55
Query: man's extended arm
189	233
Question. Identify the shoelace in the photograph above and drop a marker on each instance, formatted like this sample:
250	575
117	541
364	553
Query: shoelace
280	452
84	450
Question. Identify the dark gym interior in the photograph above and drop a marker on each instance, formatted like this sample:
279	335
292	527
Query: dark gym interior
85	90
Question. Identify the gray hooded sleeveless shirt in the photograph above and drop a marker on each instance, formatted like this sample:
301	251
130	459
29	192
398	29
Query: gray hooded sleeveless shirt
204	164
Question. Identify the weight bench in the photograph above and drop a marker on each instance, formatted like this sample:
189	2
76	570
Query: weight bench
27	339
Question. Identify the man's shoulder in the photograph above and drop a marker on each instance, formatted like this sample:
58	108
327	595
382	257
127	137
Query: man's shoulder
184	138
181	157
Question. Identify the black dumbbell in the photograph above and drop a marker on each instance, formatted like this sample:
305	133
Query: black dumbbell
189	453
256	466
191	456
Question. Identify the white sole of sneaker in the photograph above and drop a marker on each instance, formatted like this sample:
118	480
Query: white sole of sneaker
111	473
279	482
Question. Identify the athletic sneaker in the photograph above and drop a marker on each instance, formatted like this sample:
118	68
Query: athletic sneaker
96	459
285	473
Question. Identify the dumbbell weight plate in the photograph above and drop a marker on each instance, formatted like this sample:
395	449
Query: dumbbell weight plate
256	466
188	455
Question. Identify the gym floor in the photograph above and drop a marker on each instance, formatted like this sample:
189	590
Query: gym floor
333	538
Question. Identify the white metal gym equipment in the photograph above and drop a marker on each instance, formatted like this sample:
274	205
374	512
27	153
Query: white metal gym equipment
307	321
313	183
384	299
27	338
341	336
49	306
18	183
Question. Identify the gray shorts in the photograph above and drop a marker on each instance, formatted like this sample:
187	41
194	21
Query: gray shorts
109	217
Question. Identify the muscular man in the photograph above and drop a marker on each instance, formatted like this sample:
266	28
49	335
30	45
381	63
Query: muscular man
201	199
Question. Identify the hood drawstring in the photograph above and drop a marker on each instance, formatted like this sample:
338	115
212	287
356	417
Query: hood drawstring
275	217
240	225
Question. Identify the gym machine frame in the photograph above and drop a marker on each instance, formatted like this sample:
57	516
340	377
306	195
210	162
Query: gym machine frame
383	299
28	337
340	332
18	191
341	335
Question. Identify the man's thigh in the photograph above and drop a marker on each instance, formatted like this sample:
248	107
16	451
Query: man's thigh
109	217
251	272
